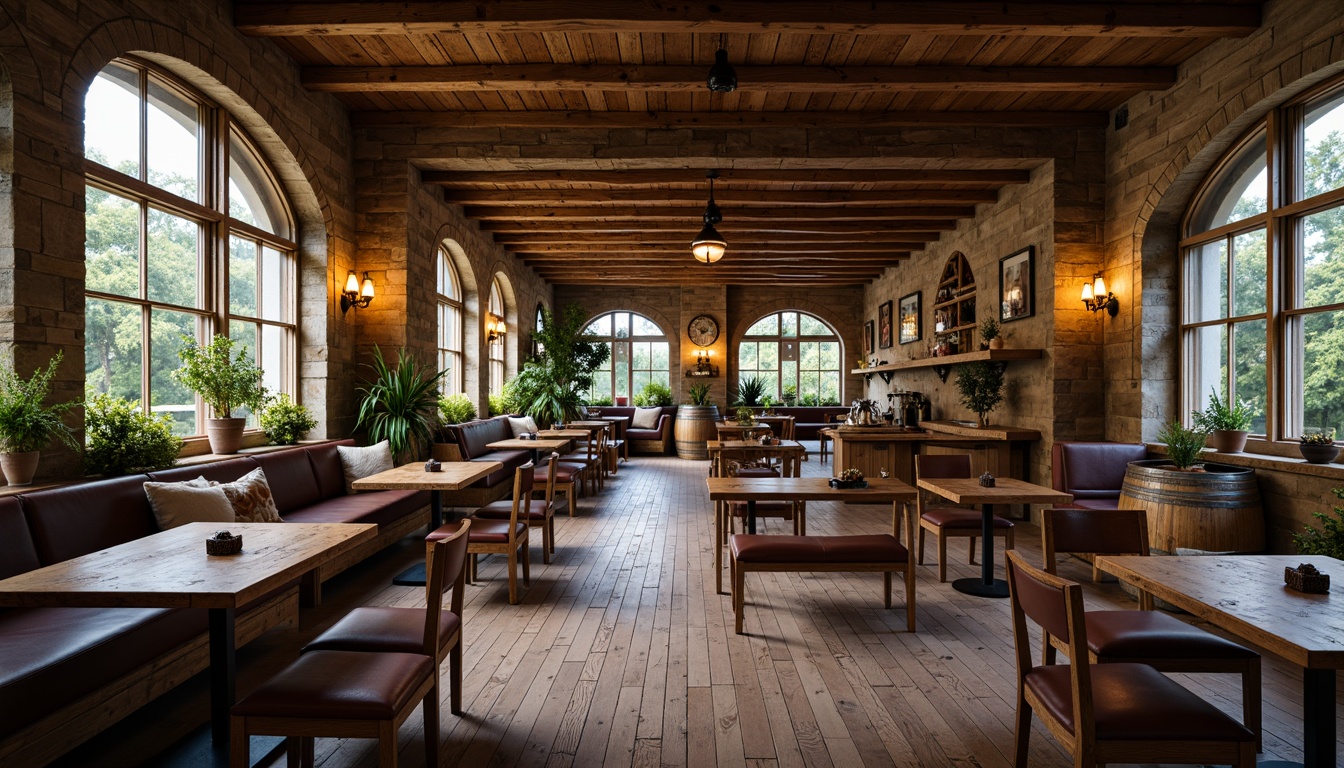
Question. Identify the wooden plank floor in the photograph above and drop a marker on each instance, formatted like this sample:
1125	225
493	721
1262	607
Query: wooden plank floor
622	654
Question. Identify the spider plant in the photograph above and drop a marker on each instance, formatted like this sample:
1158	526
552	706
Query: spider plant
400	404
750	391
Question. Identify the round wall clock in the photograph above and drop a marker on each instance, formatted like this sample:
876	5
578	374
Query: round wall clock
703	330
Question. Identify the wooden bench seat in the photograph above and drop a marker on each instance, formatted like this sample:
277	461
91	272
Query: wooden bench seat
881	553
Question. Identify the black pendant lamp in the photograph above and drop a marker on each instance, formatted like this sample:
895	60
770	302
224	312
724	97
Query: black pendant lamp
722	76
709	245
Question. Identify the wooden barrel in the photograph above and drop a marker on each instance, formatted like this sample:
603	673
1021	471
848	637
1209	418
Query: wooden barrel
1217	510
695	426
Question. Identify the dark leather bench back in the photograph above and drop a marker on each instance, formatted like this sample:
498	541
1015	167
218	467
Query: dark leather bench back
474	436
290	476
79	519
326	464
18	554
1092	470
219	471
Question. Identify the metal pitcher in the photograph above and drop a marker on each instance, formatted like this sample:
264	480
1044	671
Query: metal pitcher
864	413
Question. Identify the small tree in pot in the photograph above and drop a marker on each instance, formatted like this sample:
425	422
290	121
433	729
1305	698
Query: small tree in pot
400	405
226	382
1183	445
1227	422
981	388
27	425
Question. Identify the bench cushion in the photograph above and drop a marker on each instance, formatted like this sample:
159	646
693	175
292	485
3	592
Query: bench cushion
327	469
954	517
872	548
79	519
17	552
378	507
473	437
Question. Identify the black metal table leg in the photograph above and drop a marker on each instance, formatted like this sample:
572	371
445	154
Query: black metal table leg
986	585
223	676
1318	715
751	516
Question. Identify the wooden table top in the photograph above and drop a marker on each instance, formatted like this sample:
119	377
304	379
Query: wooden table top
569	434
1006	490
752	445
588	424
879	490
1245	595
171	570
455	475
540	444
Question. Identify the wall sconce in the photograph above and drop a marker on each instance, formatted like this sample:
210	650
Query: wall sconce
1097	298
495	328
703	366
355	294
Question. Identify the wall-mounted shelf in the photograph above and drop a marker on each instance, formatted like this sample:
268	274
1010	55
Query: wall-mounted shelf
954	306
942	365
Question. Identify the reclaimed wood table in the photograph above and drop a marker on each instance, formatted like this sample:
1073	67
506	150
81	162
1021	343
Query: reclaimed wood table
754	489
452	476
1245	595
1006	490
535	446
735	431
171	570
783	427
725	450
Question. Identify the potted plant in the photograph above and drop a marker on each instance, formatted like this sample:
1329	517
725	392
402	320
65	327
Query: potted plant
790	395
981	388
120	438
744	415
284	421
1183	445
750	391
27	424
1226	422
694	426
453	409
1330	540
654	394
989	331
550	387
1318	447
225	382
400	405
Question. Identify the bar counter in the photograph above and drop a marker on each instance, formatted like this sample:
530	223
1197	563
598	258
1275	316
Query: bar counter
996	449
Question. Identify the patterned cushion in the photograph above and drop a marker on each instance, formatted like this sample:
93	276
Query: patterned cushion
251	498
362	462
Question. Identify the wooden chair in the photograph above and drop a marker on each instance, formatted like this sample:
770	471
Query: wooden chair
588	460
1146	636
824	440
540	514
1107	713
379	629
947	521
501	537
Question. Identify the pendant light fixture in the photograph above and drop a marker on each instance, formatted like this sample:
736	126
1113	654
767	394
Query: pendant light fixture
709	245
722	76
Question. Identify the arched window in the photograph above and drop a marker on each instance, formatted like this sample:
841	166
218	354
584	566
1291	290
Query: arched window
793	353
1277	350
495	319
537	322
639	355
168	252
450	324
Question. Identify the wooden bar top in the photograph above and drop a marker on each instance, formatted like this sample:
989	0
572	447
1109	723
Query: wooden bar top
454	475
1006	490
991	432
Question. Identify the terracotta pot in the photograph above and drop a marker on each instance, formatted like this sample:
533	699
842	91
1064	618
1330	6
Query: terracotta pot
1314	454
996	342
19	468
226	435
1228	440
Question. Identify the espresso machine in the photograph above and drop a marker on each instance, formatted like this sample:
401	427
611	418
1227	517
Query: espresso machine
910	407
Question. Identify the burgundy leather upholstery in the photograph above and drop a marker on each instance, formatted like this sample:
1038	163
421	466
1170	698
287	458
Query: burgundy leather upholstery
564	473
1135	702
1043	603
290	476
955	517
1097	531
17	552
481	532
758	472
503	510
943	465
326	465
872	548
379	507
472	437
219	471
79	519
1120	635
1092	472
340	685
379	629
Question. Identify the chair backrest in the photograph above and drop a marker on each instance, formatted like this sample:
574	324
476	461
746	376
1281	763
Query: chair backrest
1056	605
552	462
939	465
524	480
1095	532
446	564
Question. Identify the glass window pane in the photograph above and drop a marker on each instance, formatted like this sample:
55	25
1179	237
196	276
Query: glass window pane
658	351
811	326
1323	358
788	324
640	352
1322	265
622	378
1238	192
173	147
112	345
830	354
272	285
112	120
253	195
242	276
747	355
766	326
165	394
768	356
643	326
1323	146
637	380
621	324
112	243
246	335
1207	361
1251	365
272	360
1206	282
600	327
1251	280
174	256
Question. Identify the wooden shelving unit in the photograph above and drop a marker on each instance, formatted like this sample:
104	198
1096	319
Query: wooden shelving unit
954	306
946	362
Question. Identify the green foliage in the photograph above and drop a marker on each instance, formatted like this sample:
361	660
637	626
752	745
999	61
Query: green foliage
1231	415
121	438
811	398
599	401
989	329
981	387
400	404
550	387
1330	540
224	381
749	391
699	394
1326	437
498	405
654	393
285	421
26	423
1183	445
456	409
790	395
744	415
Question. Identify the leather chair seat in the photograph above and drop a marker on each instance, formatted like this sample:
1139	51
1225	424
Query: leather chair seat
564	473
503	510
757	472
383	629
1154	635
872	548
331	685
955	517
482	531
1134	702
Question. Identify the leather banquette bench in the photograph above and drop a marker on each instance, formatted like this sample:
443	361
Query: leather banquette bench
1092	471
470	441
644	440
68	673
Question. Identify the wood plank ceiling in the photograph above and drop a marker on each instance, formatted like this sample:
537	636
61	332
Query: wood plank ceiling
642	64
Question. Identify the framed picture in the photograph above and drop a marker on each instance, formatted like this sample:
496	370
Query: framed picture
868	331
884	325
1017	285
911	326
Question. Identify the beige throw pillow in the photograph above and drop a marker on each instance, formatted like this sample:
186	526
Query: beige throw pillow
362	462
646	418
195	501
522	426
250	496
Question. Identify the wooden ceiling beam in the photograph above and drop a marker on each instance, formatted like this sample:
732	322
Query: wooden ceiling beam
827	261
578	119
644	214
580	249
737	228
727	176
852	17
531	241
767	79
725	196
